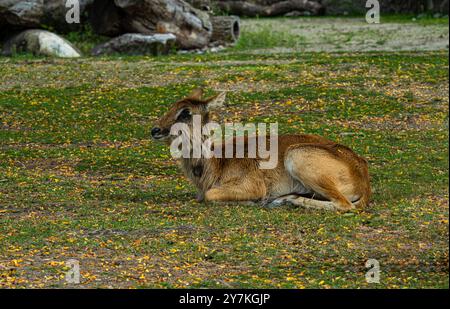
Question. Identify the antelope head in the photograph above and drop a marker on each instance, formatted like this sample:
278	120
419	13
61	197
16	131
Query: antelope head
183	112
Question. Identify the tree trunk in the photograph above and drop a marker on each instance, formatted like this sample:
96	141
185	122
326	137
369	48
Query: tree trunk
191	26
226	29
243	8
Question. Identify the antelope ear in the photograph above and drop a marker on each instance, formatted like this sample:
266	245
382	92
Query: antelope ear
196	94
216	101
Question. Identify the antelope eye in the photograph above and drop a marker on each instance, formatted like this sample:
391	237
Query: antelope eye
184	115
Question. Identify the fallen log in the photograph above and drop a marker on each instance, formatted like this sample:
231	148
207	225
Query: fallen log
243	8
226	29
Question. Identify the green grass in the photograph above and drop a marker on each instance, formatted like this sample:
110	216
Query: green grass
324	33
80	177
422	19
266	37
85	40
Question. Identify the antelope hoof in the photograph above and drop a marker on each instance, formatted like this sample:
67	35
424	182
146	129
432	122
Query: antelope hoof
200	197
274	203
344	208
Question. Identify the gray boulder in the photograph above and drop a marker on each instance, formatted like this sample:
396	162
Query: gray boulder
40	42
137	44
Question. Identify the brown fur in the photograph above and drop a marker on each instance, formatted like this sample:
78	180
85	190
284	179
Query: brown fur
307	163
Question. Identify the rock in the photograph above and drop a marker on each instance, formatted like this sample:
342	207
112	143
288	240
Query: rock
204	5
217	49
297	14
137	44
55	12
106	18
191	26
20	14
40	42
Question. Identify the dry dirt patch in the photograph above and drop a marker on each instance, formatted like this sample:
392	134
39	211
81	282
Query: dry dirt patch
351	34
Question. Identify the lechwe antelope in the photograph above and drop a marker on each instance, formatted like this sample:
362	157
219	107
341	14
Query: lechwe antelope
312	171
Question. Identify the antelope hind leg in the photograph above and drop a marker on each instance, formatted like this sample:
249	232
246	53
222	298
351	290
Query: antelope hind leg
321	171
304	202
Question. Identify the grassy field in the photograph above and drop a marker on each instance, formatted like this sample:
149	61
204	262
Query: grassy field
81	179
